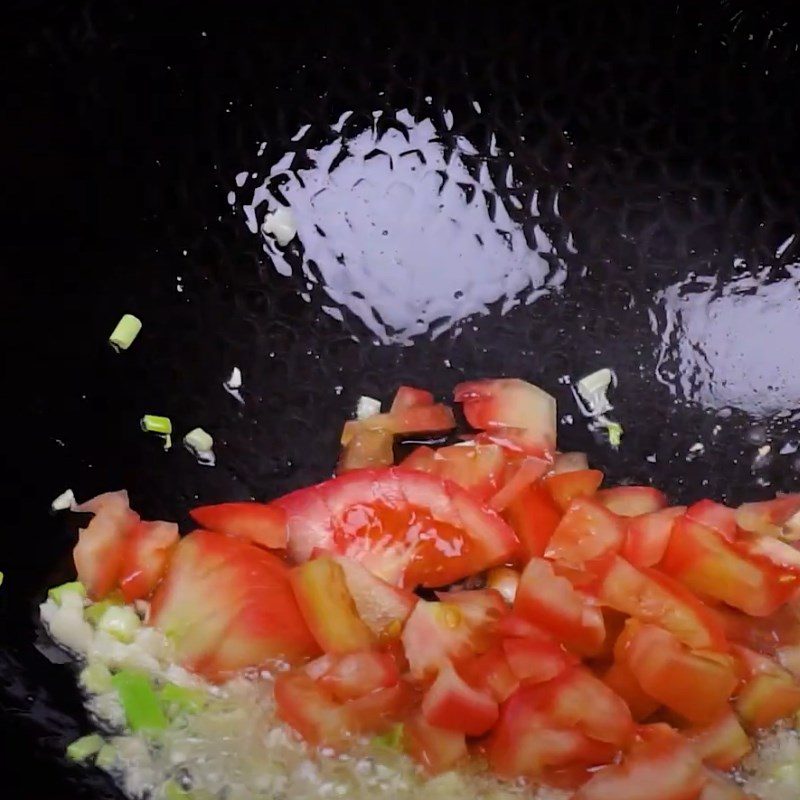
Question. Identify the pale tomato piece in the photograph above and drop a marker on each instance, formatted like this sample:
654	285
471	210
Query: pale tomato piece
570	462
527	471
710	565
490	673
505	581
511	412
534	515
723	743
620	679
453	630
145	557
550	601
651	597
715	516
356	674
769	692
586	531
479	468
536	660
410	397
632	501
451	703
407	527
259	523
436	418
328	608
768	517
365	449
694	684
647	536
769	550
662	766
99	553
565	487
226	604
435	749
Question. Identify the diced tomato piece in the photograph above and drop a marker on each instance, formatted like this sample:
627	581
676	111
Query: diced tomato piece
455	629
477	467
647	536
651	597
146	553
365	449
435	749
261	524
356	674
696	684
789	658
715	516
565	487
769	550
382	607
528	471
707	563
226	604
405	526
99	553
505	581
437	418
769	692
535	660
410	397
515	625
632	501
723	743
620	678
526	741
534	515
551	602
490	673
663	766
570	462
586	531
511	412
451	703
328	608
768	517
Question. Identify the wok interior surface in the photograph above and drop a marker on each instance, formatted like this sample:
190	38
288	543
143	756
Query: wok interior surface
537	190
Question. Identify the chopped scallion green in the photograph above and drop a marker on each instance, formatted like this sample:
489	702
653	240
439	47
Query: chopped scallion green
179	699
107	757
56	594
94	612
198	440
614	433
161	426
126	331
139	701
85	747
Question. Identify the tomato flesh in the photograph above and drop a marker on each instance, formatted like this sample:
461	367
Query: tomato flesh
586	532
564	487
722	743
534	515
647	536
260	524
451	703
632	501
146	552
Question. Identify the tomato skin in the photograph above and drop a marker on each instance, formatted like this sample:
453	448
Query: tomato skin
721	744
586	531
565	487
145	556
662	766
451	703
696	685
647	536
409	397
550	601
632	501
767	518
714	516
259	523
435	749
534	516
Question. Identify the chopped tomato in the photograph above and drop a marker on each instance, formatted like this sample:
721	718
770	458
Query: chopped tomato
490	673
511	412
451	703
707	563
651	597
505	581
565	487
534	516
620	678
226	604
99	553
365	449
647	536
261	524
528	471
769	692
437	418
476	467
721	744
356	674
551	602
328	608
715	516
769	550
457	628
632	501
768	517
694	684
536	660
570	462
145	555
586	531
662	766
410	397
407	527
436	749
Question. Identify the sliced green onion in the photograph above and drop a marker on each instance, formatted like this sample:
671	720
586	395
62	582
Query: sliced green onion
198	439
94	613
107	757
179	699
56	594
139	701
121	622
392	738
161	426
126	331
96	678
614	433
85	747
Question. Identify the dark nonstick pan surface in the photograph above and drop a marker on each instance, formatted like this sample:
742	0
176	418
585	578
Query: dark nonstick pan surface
630	169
